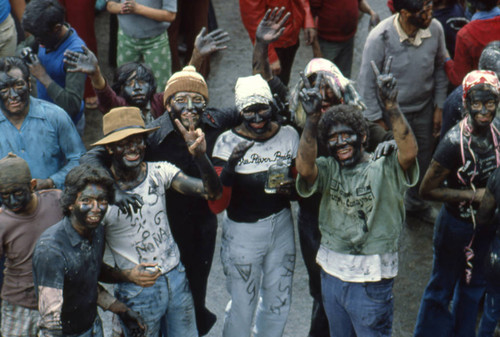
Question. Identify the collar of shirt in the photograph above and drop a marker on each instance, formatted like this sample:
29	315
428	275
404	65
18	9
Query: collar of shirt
75	238
417	40
483	15
34	112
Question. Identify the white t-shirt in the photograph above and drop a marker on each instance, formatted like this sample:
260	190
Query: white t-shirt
145	236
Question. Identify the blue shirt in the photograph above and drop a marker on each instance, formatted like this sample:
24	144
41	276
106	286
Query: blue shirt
4	10
47	140
483	15
64	260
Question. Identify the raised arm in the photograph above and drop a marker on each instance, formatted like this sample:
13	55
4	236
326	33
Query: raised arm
270	28
403	135
207	44
308	149
209	186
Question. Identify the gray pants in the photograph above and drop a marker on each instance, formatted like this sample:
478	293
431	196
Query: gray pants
340	53
421	123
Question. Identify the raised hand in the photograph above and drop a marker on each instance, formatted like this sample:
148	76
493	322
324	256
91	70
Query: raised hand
85	62
207	44
310	97
386	83
272	25
238	153
195	139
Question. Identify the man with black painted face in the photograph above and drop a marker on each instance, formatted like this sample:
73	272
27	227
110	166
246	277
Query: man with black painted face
361	214
24	215
68	263
457	176
146	237
44	19
417	43
45	136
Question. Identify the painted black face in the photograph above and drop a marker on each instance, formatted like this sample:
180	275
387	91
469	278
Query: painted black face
129	153
257	117
329	98
14	92
15	197
184	105
482	106
90	206
137	91
344	145
422	19
48	38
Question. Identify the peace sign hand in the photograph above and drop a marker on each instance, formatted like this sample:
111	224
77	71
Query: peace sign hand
195	139
310	97
272	25
386	83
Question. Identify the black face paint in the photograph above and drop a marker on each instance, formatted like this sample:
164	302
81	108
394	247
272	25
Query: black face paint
137	91
129	152
48	39
482	106
14	92
257	118
185	104
422	19
15	197
344	145
90	206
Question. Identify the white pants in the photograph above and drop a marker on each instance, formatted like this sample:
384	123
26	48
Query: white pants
258	260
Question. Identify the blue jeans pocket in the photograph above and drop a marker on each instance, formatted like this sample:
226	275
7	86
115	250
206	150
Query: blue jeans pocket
379	292
127	291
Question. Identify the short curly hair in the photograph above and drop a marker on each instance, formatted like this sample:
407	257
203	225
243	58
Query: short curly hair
343	114
78	178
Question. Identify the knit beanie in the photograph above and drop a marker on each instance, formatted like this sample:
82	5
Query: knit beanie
14	170
188	79
251	90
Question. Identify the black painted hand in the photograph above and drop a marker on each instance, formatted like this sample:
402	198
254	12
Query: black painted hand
386	83
128	203
310	97
272	25
134	323
238	153
85	62
384	149
195	138
207	44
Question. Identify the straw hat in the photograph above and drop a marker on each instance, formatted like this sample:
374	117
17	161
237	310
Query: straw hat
119	123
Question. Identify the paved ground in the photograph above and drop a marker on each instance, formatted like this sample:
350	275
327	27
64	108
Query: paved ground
227	66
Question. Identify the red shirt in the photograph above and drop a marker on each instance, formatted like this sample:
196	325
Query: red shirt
252	12
337	19
471	40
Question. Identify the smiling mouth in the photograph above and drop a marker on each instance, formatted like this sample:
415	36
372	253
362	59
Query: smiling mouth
132	156
344	153
259	125
94	219
138	97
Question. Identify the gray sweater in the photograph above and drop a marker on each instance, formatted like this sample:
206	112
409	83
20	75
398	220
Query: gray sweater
419	71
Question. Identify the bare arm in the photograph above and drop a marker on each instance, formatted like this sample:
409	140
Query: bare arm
487	208
308	149
18	7
270	28
432	189
403	135
209	186
365	8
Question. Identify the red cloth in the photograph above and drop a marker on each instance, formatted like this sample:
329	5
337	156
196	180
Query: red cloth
471	40
252	12
217	206
336	20
80	14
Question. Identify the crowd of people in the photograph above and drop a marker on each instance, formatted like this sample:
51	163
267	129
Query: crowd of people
357	157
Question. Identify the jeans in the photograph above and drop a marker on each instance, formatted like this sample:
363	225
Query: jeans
491	314
94	331
447	281
168	300
421	122
258	260
358	309
340	53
